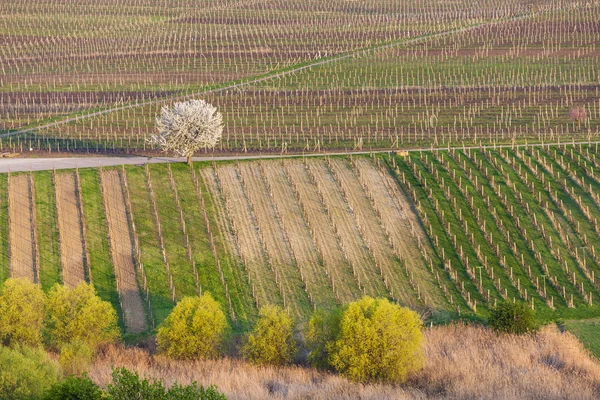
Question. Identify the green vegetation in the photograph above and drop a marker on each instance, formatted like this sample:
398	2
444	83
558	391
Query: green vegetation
74	388
194	329
587	331
127	385
21	313
47	225
271	341
78	315
26	373
103	273
377	342
513	318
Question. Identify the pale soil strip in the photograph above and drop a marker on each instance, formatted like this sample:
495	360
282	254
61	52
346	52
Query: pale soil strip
344	224
395	217
273	237
260	276
21	228
298	235
373	233
122	252
72	249
326	240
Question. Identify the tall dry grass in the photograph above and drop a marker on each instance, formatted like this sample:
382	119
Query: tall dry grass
463	362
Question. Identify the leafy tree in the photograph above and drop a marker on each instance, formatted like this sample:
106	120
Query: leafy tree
21	313
513	317
26	373
194	329
128	386
321	333
378	342
271	341
188	127
79	315
75	388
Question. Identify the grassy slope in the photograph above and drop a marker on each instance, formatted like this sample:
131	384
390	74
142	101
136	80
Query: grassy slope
48	240
587	331
103	274
158	280
4	267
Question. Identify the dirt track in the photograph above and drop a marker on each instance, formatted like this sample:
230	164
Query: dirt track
23	263
122	252
72	246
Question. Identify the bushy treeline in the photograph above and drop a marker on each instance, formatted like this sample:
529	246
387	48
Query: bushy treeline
370	340
74	323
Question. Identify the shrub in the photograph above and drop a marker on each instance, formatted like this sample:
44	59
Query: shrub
378	342
79	315
513	317
194	329
128	386
271	341
21	313
75	357
321	333
75	388
26	373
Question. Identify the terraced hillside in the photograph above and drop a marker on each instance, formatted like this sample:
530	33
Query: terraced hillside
448	233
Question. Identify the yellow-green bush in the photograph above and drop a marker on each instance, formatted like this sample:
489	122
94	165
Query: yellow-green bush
26	373
271	341
320	335
194	329
378	342
79	315
21	313
75	358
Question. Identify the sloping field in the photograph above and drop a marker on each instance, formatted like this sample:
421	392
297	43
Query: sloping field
122	252
70	225
449	233
23	262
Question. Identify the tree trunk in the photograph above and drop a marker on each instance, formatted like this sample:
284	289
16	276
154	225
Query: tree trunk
189	161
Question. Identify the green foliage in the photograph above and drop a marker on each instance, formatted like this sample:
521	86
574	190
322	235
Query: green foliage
378	342
75	357
128	386
79	315
271	341
75	388
21	313
26	373
321	332
194	329
514	318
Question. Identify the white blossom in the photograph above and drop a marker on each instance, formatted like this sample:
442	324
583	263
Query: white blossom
188	127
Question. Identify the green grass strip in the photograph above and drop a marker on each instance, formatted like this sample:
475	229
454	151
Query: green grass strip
156	274
103	273
47	227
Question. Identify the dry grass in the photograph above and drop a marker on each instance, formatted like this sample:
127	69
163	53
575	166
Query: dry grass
462	363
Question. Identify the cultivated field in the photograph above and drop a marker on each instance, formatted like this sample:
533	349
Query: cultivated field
316	75
448	233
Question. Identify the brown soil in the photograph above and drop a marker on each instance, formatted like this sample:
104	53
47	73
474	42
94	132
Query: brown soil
122	252
72	246
343	220
250	248
21	230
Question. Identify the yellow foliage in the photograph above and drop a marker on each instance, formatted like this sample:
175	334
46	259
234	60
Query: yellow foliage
271	341
21	313
194	329
378	342
79	315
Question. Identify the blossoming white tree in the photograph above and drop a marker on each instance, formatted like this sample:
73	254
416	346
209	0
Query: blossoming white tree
188	127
